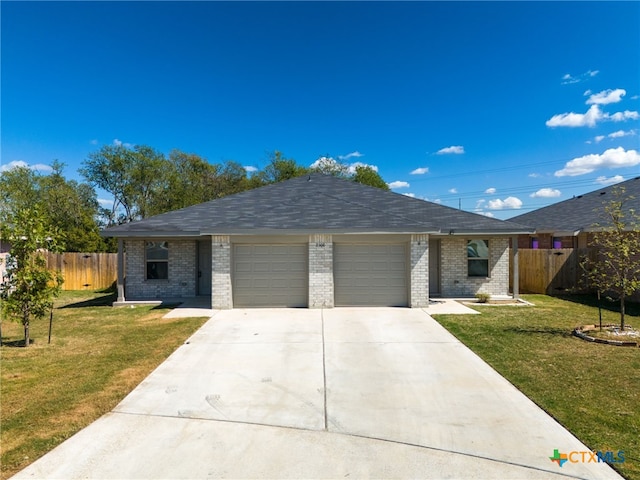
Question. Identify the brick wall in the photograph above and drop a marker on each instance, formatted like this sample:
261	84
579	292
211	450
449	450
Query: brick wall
454	279
419	296
321	271
182	272
221	292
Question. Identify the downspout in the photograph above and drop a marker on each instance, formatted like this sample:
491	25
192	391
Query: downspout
516	268
121	298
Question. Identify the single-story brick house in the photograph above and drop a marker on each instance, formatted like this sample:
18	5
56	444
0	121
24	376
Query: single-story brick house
314	241
568	224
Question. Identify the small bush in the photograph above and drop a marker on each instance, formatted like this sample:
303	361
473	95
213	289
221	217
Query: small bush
483	297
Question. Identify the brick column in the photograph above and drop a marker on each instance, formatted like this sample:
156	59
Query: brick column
320	271
221	272
419	271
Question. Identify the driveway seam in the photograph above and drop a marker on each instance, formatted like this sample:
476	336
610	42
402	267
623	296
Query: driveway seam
355	435
324	371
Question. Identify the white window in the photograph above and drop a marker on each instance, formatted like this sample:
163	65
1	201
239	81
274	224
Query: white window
157	260
478	258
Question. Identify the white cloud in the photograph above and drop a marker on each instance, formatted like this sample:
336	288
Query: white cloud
569	79
105	202
621	133
119	143
590	118
455	149
398	184
412	195
420	171
38	167
323	161
350	155
605	97
546	193
490	191
534	175
622	116
618	134
329	163
487	214
611	158
14	164
608	181
453	190
250	169
352	167
509	202
571	119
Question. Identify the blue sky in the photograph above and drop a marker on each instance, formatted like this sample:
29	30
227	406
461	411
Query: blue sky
497	107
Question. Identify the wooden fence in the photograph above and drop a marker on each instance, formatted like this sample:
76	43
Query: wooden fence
549	271
85	271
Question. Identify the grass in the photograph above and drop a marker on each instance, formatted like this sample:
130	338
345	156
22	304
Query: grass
97	355
591	389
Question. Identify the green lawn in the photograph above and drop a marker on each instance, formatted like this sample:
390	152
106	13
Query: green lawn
97	355
591	389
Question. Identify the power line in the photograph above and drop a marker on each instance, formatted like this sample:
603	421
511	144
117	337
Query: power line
524	189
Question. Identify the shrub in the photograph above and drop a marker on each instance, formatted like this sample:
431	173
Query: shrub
483	297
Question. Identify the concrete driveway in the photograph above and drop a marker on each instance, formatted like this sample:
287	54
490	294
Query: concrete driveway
340	393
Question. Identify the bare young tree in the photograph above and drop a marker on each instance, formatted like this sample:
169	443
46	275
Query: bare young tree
614	270
30	288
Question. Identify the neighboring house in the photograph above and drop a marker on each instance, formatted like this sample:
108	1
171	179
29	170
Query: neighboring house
314	241
4	253
567	224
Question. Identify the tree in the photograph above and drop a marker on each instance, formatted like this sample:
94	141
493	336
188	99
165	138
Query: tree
232	178
330	166
134	176
190	180
19	189
68	205
615	269
281	168
368	176
31	287
73	208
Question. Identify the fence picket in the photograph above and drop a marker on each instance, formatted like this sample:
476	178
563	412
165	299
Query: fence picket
85	271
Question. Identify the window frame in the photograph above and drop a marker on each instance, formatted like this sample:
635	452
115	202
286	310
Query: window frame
148	262
479	259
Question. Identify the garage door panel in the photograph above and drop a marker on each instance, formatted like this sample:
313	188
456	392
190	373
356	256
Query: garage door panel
270	276
370	275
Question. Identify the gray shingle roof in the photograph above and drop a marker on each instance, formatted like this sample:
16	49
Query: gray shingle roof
580	213
316	203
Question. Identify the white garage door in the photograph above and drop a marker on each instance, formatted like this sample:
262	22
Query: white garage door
270	276
370	275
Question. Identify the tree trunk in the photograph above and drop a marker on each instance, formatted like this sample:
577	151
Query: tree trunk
26	332
622	312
